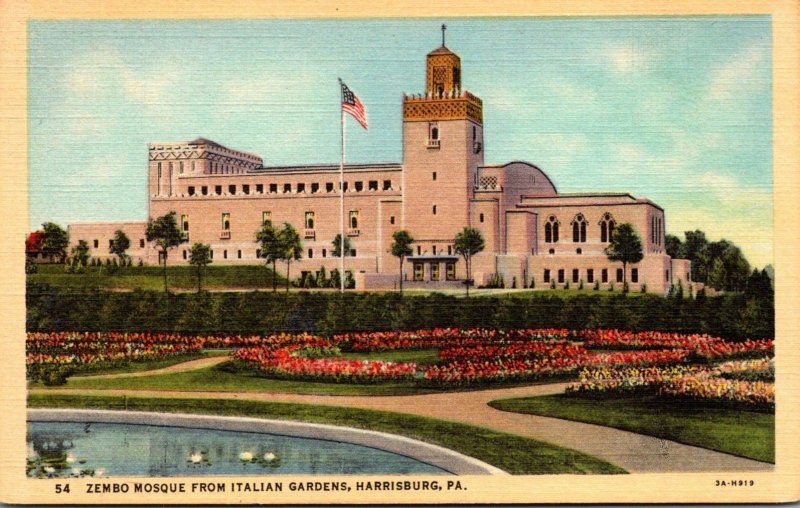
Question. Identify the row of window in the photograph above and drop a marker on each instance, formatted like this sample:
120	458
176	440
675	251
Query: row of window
590	275
96	243
579	226
300	188
266	218
238	253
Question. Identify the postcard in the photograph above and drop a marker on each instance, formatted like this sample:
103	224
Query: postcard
350	255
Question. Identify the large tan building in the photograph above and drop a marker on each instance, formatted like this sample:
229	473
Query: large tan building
533	233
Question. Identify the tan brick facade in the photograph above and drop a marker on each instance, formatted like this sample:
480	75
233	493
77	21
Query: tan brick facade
222	196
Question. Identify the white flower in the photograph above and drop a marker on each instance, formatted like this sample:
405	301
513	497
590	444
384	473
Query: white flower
196	457
76	471
49	469
246	456
70	458
269	456
99	471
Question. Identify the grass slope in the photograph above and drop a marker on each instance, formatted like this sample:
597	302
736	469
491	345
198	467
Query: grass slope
514	454
152	277
744	433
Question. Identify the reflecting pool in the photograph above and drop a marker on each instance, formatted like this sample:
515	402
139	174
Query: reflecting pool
69	449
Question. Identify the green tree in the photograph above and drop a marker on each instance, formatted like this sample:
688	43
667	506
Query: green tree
401	247
164	232
119	245
80	253
625	246
674	247
695	249
292	247
467	243
337	246
200	257
55	242
271	248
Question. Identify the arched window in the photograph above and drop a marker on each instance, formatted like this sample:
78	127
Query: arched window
551	230
579	228
607	224
309	220
353	219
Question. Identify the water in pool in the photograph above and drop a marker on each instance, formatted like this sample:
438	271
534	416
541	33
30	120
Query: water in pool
59	449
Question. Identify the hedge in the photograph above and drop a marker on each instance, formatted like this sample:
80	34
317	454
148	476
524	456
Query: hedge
731	316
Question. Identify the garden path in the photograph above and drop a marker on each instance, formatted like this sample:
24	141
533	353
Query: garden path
178	367
634	452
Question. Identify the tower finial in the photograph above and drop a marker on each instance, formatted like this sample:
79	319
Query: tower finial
444	27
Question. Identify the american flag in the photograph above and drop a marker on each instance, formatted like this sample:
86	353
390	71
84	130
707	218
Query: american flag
353	106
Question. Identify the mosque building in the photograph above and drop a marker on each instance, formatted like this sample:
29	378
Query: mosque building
533	233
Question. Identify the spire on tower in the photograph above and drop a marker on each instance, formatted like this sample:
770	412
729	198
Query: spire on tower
444	27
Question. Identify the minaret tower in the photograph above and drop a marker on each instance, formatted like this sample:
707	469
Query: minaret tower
442	148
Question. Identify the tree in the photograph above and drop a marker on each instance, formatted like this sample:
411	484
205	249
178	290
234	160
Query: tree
271	248
292	247
120	244
200	257
164	232
696	250
401	247
674	247
625	246
337	246
80	253
55	242
468	243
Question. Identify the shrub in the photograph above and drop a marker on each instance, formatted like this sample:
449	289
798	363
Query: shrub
533	283
552	284
596	285
566	285
580	286
644	288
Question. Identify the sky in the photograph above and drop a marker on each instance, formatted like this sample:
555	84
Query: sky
675	109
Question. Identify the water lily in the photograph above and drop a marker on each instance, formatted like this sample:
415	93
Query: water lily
76	471
99	472
269	456
246	456
49	469
70	458
196	457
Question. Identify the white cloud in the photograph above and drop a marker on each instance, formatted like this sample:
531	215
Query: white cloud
628	58
741	74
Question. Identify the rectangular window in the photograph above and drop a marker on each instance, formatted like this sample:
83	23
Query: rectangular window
96	244
590	275
359	186
226	221
191	190
273	188
419	271
239	254
225	254
560	275
204	190
231	189
434	176
634	275
211	254
309	220
373	185
434	250
193	166
184	222
260	188
344	186
246	189
301	187
451	271
218	189
666	275
310	253
604	275
619	274
449	250
434	209
434	271
180	167
329	187
184	254
352	253
575	275
287	187
266	218
324	253
314	188
387	185
391	219
141	243
546	275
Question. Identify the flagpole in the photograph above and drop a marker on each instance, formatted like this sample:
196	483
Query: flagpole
341	197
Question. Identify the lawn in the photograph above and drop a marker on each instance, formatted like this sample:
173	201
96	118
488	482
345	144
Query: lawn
152	277
514	454
160	362
418	356
216	379
744	433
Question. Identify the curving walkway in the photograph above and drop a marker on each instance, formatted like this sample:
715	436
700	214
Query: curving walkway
178	367
634	452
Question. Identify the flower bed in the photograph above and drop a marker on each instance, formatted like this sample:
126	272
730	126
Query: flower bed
437	338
